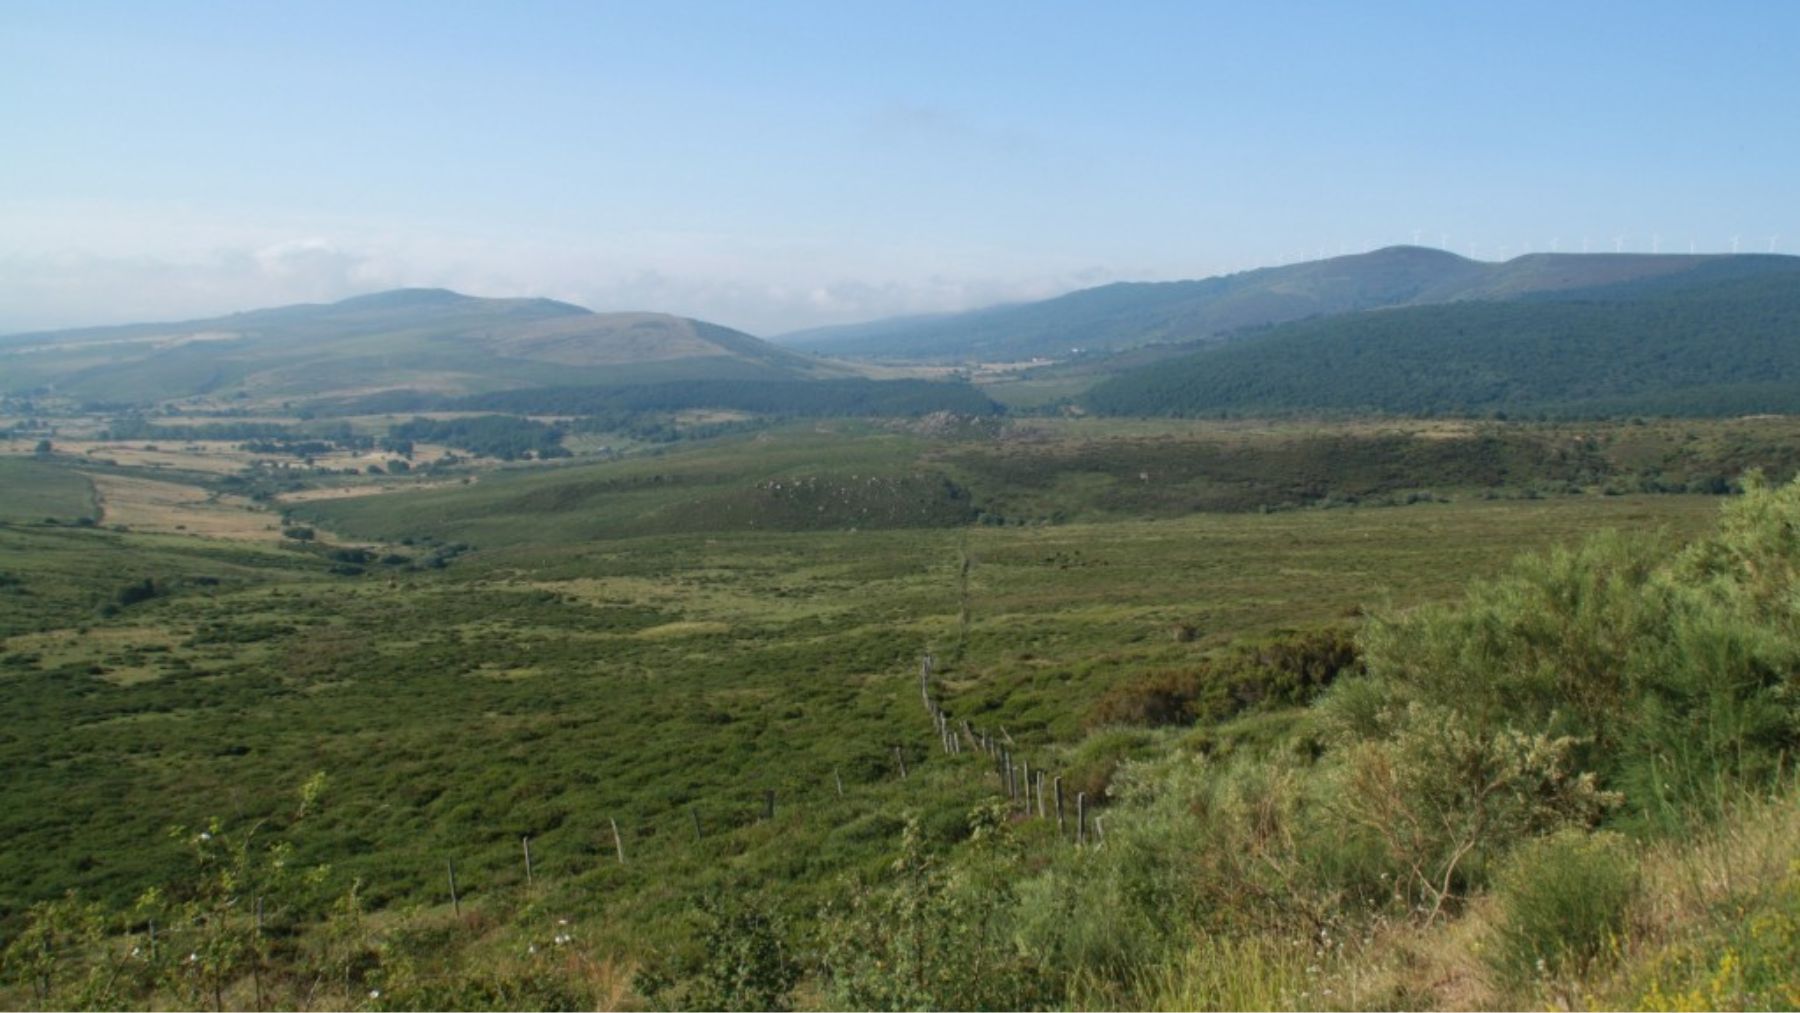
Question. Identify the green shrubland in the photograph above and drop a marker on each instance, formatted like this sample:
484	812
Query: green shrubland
1321	767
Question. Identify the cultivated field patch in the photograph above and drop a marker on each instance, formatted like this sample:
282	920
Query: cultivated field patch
144	504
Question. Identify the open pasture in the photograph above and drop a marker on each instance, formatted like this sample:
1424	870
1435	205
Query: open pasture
32	490
145	504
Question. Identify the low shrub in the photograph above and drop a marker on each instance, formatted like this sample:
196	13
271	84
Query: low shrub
1563	902
1289	669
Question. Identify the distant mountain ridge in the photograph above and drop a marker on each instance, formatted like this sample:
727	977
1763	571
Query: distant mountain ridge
425	340
1125	315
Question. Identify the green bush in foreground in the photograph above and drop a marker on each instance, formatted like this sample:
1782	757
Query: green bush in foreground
1563	901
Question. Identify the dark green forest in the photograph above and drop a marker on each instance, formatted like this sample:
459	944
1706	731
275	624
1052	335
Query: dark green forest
1722	349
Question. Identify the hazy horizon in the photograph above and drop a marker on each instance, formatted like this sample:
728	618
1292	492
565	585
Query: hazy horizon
781	167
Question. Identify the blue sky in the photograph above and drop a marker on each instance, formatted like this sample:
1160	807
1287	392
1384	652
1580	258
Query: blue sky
774	165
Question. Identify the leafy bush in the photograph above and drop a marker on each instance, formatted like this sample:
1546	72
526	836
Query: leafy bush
744	962
62	956
935	935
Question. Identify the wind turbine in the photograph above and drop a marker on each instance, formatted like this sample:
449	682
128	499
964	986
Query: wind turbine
1416	234
1555	244
1734	244
1772	243
1443	240
1618	244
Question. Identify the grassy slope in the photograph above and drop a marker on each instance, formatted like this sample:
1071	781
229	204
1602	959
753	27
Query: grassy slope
425	340
837	476
798	479
31	490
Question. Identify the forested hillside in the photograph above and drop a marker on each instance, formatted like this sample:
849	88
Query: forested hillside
1723	348
1122	316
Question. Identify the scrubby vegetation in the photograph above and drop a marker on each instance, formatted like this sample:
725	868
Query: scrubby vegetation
1307	762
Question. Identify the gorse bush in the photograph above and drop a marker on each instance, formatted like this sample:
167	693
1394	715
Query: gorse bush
1666	671
1443	797
1282	671
1563	900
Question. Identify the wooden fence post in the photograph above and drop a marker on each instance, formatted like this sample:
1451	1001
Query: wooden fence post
1081	817
900	758
455	901
839	778
695	813
769	804
1042	814
1025	785
1061	825
618	842
526	841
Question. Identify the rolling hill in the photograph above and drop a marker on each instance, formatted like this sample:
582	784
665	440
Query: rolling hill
420	340
1708	347
1118	317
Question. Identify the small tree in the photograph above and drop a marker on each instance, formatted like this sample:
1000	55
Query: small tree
235	870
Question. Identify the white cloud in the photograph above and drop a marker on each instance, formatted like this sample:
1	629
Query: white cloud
74	267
